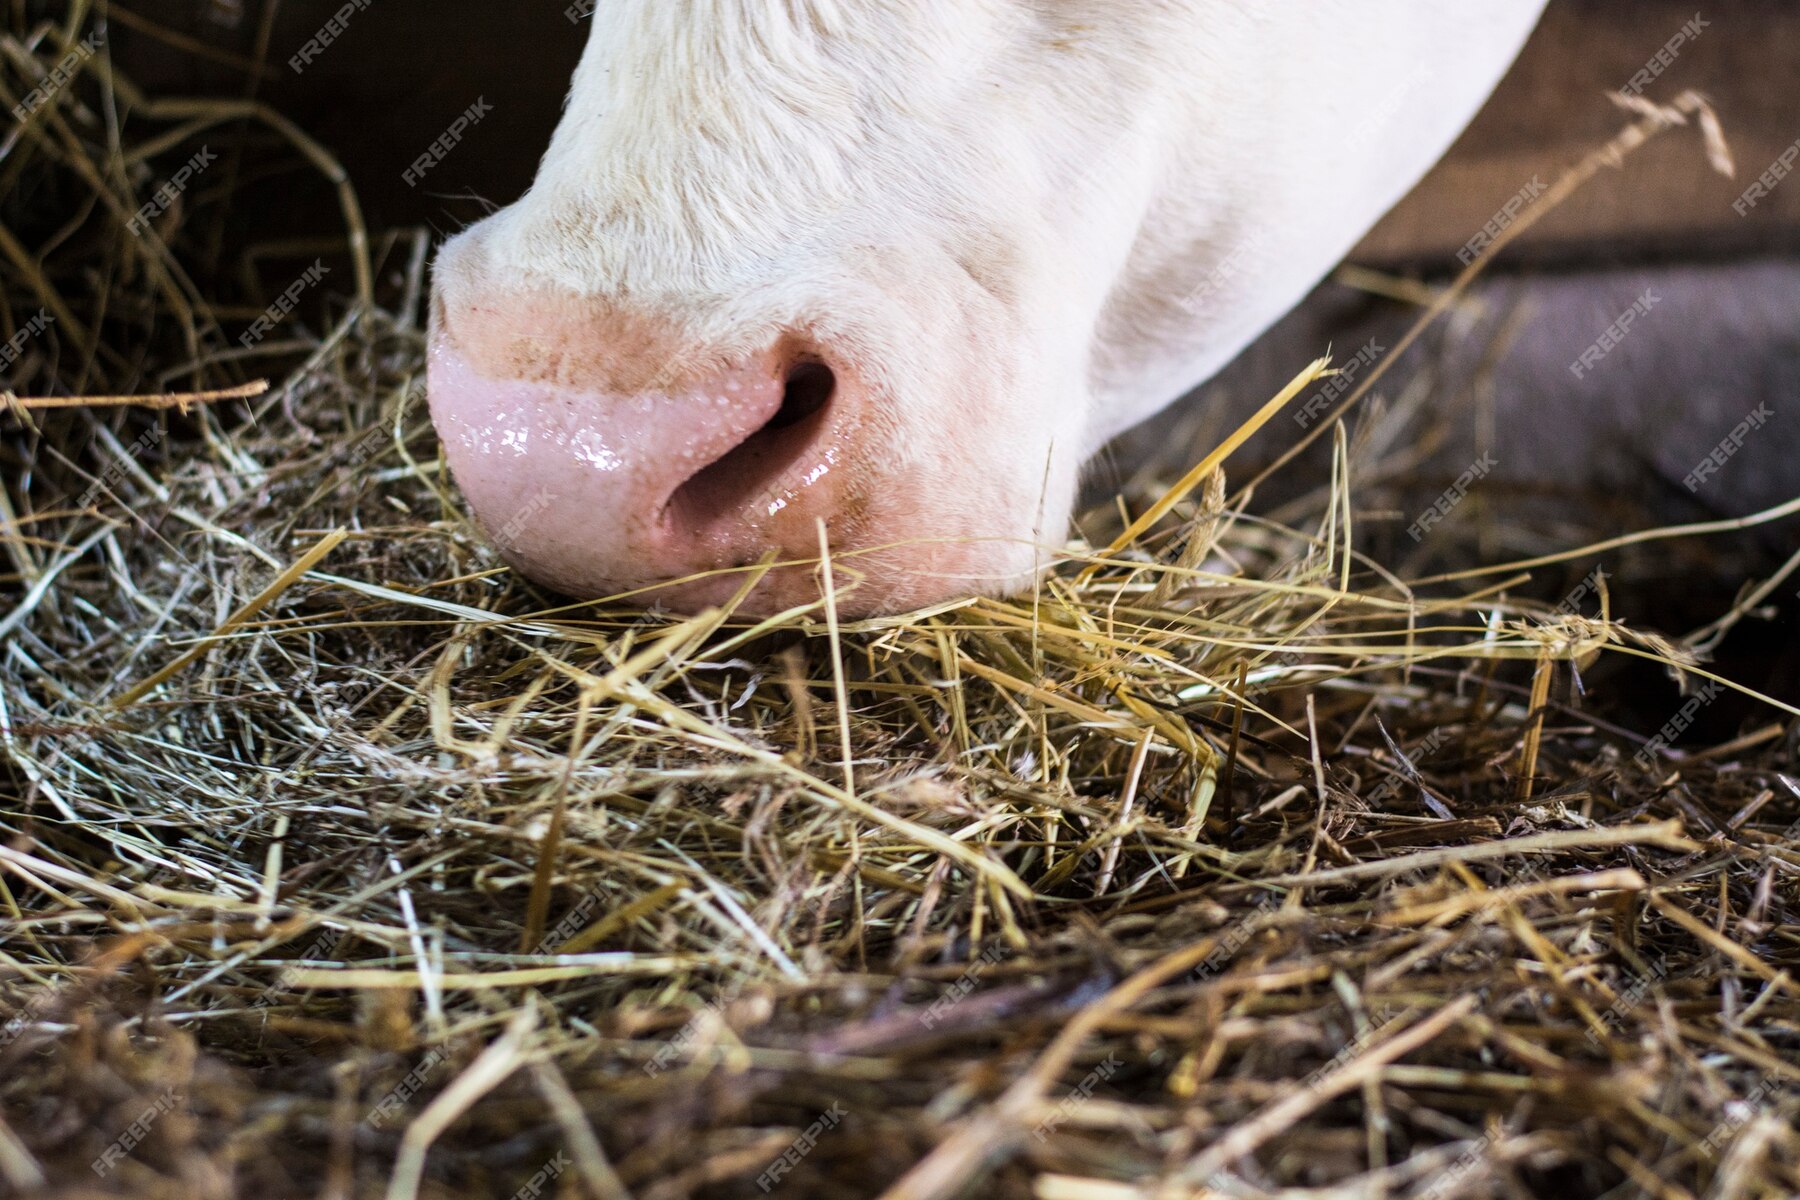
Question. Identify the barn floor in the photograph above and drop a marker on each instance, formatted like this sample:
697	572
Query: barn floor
337	861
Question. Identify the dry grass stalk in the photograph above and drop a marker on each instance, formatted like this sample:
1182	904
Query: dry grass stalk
1196	873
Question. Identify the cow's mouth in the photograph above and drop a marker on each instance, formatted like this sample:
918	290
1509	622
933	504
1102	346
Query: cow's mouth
749	470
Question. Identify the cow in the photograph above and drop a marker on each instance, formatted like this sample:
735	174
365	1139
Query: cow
874	280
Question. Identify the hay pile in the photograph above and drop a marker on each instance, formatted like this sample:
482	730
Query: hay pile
336	860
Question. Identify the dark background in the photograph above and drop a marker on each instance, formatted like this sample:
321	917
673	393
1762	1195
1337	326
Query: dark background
403	69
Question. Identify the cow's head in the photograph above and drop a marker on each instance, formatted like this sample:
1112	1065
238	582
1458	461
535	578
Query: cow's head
880	266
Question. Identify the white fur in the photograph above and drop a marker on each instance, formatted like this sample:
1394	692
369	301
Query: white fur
1031	222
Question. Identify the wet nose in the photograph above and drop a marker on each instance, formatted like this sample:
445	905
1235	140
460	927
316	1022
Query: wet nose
601	457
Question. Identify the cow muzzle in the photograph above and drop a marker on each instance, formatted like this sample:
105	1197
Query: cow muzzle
604	461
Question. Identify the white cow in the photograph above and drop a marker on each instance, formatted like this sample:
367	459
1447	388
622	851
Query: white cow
901	267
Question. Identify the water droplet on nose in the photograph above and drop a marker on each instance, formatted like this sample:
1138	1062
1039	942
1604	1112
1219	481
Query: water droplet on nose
589	448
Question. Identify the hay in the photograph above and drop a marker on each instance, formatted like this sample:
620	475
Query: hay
340	861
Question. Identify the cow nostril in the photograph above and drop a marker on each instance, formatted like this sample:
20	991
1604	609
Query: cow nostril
809	388
724	487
